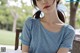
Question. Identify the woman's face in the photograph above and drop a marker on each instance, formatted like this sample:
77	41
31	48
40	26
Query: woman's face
46	5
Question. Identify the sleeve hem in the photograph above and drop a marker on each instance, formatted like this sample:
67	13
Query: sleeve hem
66	47
24	42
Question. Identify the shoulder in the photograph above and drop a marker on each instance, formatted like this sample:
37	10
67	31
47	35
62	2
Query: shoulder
30	21
69	29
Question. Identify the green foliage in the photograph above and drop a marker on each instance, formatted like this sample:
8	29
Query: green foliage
3	2
23	13
78	19
6	18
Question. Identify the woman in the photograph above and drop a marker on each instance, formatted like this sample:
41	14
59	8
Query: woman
48	34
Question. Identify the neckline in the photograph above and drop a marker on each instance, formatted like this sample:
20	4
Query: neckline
51	31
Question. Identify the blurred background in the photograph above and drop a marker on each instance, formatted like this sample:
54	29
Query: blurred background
13	13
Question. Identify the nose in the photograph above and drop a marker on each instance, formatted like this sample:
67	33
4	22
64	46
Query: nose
44	1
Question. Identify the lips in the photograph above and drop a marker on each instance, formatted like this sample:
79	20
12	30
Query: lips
46	7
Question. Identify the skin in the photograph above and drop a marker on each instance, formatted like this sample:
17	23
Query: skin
50	21
25	49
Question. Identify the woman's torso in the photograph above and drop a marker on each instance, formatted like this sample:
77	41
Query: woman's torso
44	41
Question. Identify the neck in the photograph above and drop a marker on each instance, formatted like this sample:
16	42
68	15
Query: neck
51	17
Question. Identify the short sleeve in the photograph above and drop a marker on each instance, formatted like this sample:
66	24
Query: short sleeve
68	38
26	32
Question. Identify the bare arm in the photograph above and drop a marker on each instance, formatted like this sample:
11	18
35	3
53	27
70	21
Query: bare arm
24	49
63	50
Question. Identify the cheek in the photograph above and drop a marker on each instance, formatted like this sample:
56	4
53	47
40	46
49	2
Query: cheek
53	0
40	7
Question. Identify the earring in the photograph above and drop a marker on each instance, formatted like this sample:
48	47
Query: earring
41	15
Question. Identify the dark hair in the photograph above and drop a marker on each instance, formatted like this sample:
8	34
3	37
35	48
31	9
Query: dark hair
37	14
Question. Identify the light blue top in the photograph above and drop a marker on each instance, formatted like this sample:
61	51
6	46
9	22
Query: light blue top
40	40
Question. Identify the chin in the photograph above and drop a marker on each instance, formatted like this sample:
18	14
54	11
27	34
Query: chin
48	11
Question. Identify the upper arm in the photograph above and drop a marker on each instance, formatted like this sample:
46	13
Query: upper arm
26	35
68	38
63	50
67	41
